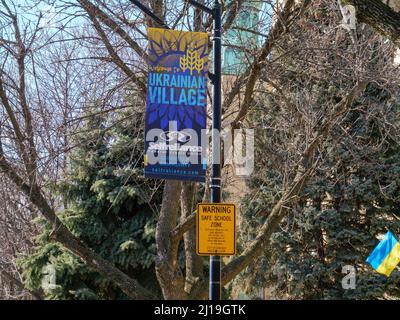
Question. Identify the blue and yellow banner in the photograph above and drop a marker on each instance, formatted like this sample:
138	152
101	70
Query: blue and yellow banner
386	255
176	106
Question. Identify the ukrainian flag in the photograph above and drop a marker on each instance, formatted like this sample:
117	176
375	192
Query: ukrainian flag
386	255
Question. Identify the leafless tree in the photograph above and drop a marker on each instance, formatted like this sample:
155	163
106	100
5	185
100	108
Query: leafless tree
97	49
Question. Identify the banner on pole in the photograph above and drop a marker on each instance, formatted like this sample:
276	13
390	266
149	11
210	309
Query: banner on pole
176	105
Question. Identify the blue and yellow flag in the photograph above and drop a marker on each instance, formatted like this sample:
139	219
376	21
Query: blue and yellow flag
386	255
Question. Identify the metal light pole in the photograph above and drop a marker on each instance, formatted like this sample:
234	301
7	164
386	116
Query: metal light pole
215	261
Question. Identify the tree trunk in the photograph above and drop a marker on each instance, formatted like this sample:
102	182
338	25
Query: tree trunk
379	16
194	263
169	274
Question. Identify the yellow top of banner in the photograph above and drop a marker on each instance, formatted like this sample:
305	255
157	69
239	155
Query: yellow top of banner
164	40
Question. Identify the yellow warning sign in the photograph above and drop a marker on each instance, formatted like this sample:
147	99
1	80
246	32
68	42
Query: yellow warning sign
216	229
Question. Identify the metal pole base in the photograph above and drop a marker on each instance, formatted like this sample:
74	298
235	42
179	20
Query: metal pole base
215	278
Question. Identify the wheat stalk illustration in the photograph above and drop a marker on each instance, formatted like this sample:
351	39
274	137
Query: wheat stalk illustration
191	61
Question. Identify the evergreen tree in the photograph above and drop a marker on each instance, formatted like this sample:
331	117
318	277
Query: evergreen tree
352	200
109	206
